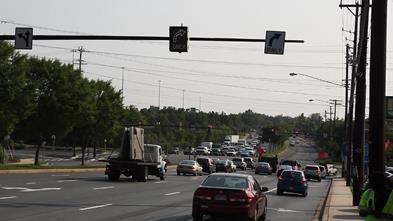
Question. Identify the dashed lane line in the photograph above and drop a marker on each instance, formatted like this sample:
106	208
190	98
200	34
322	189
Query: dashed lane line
31	183
95	207
103	188
7	197
274	189
60	175
66	181
24	189
170	194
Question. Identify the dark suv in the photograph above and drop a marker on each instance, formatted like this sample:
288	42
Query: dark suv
206	164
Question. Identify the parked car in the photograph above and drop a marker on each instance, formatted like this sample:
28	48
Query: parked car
293	181
223	166
216	152
263	167
239	162
282	168
230	162
231	152
331	170
189	167
207	164
202	150
250	162
230	195
323	171
312	172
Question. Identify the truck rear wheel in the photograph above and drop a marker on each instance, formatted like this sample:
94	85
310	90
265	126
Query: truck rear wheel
143	174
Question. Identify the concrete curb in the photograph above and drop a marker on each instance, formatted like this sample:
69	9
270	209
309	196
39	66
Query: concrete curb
320	212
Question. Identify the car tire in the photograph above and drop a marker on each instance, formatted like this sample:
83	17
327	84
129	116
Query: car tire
270	173
197	217
304	194
279	192
113	177
256	173
263	216
319	179
255	216
178	173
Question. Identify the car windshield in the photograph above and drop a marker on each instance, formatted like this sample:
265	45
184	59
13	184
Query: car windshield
311	168
226	181
291	174
187	162
221	162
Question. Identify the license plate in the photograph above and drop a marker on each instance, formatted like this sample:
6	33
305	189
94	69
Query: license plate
220	197
291	188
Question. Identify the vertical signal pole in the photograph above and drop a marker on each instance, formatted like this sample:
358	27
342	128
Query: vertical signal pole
81	50
377	86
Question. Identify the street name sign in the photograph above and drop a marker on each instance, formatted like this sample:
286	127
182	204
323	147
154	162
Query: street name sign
23	38
274	42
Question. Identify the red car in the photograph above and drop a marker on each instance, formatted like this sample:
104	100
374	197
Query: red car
230	195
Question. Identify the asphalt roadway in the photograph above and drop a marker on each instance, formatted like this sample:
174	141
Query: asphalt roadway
89	196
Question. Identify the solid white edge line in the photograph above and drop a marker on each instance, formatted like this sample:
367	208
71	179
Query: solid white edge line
95	207
7	197
169	194
271	190
103	188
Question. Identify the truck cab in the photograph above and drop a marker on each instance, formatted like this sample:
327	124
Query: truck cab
154	153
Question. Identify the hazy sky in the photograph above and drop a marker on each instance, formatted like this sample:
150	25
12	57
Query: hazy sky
229	77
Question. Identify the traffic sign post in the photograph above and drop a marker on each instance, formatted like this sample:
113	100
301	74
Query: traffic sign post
274	42
23	38
178	39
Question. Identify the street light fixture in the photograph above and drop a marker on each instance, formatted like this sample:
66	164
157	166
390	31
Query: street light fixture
315	78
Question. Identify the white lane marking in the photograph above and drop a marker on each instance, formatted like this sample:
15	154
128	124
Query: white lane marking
170	194
274	189
160	182
284	210
103	188
31	183
66	181
7	197
94	207
42	189
312	186
24	189
61	175
194	178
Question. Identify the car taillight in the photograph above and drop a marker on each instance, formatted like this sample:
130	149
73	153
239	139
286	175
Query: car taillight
318	172
280	178
245	197
305	170
302	181
203	194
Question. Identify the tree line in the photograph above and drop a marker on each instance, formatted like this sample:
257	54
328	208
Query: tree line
43	99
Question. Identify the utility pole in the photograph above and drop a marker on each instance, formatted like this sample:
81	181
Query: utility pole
343	165
335	111
122	83
351	100
359	135
377	88
200	102
330	123
81	50
159	94
183	99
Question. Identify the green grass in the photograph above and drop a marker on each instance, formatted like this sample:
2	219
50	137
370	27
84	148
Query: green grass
32	166
277	150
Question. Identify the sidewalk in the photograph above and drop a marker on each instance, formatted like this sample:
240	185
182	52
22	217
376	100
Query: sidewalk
339	203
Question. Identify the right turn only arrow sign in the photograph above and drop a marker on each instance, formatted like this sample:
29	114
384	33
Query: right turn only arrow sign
274	42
